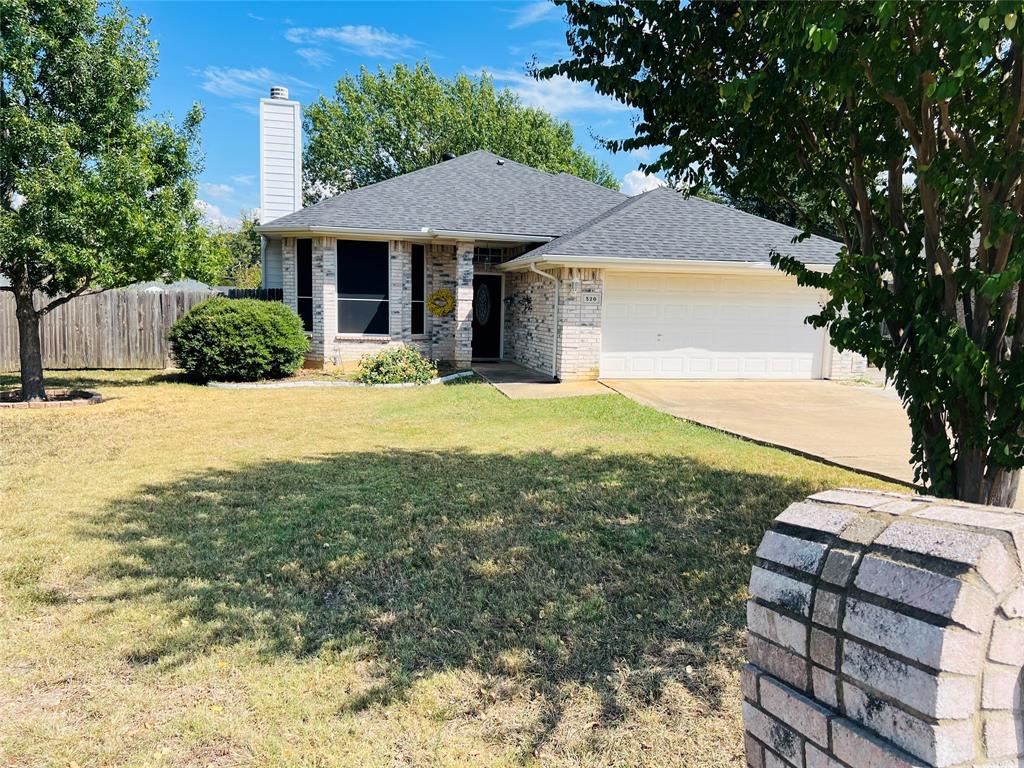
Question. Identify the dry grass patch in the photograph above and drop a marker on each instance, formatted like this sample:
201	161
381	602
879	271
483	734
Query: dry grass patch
332	577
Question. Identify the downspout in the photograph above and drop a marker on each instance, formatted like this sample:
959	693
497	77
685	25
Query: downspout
555	333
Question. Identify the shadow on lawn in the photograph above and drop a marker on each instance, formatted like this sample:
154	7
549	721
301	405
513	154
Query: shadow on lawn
549	568
87	379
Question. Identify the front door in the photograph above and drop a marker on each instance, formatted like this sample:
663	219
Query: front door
486	317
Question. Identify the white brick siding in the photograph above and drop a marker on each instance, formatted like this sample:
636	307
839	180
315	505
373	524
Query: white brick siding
850	366
529	321
912	654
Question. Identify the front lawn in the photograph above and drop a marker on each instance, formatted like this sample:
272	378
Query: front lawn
334	577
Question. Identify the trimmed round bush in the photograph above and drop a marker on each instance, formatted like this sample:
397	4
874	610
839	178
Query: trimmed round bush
398	365
238	340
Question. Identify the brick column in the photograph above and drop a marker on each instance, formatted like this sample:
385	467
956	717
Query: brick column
325	298
400	291
886	630
464	303
326	293
288	285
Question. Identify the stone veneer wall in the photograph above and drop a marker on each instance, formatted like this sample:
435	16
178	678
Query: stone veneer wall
886	631
529	321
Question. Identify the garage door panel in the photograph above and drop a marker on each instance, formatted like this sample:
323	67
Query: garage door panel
673	326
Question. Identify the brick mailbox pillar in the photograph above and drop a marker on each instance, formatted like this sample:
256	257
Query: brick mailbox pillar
886	630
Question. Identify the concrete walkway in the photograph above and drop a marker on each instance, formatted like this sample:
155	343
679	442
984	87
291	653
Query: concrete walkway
859	427
519	383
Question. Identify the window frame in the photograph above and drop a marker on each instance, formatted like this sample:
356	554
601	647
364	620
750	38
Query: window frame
386	292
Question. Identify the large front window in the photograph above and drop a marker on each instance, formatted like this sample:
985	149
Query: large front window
362	287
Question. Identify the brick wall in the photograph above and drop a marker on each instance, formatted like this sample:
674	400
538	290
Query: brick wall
438	339
579	316
886	630
463	303
529	321
440	273
850	366
288	285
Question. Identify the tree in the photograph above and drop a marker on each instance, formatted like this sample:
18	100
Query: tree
838	107
92	196
240	253
380	125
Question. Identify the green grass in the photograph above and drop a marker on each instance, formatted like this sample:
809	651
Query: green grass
330	577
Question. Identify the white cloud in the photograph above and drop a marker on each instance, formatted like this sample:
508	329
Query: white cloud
638	182
641	153
315	57
363	39
245	179
218	191
559	95
213	216
232	83
531	13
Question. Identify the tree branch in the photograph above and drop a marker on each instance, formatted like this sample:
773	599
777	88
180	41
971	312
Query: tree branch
61	300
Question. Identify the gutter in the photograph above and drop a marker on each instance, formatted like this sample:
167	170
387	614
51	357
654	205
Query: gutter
661	265
495	237
555	332
270	229
423	233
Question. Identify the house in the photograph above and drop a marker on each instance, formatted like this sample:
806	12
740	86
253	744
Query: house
550	271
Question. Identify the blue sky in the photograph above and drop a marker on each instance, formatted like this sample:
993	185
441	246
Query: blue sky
226	55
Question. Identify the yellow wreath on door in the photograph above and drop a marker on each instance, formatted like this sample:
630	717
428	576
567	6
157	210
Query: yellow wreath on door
441	302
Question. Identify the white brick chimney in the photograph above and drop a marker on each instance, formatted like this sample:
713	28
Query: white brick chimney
280	155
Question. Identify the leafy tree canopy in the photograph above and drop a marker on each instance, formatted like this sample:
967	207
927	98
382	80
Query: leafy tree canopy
93	195
385	123
902	121
240	253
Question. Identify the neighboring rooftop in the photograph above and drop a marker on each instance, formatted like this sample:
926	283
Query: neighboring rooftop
475	192
664	224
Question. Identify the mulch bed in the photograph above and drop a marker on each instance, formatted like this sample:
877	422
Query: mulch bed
56	398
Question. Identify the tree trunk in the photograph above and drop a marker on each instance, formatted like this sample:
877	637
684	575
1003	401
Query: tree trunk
981	484
30	347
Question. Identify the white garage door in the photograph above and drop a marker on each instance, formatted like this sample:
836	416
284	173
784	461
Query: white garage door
658	326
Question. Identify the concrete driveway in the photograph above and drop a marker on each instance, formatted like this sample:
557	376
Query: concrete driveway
859	427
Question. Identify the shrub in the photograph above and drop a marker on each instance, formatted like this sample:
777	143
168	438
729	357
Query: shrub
399	365
238	340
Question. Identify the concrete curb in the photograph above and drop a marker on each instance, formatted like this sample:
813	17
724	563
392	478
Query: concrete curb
332	384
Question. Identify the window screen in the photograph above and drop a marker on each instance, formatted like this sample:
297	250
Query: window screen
304	281
419	290
362	287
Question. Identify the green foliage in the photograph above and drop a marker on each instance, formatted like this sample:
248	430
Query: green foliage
398	365
380	125
93	194
238	340
239	253
900	121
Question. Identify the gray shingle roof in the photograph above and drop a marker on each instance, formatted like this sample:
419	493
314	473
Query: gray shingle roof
471	193
663	224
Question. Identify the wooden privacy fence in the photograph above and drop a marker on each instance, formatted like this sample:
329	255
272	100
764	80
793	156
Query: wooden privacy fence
115	329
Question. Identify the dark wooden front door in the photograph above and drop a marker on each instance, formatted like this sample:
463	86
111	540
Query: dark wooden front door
486	317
